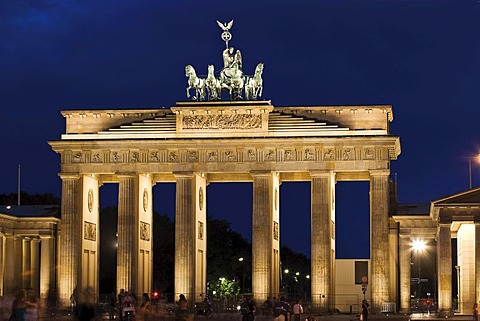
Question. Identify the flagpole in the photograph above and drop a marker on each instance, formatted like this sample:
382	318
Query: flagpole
18	191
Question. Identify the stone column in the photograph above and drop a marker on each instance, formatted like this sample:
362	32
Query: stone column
127	232
322	191
34	264
477	262
379	201
265	236
444	252
405	273
18	258
70	234
10	271
190	236
26	262
145	217
2	264
47	266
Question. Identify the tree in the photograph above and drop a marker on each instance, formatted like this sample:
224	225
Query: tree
224	249
224	289
29	199
163	253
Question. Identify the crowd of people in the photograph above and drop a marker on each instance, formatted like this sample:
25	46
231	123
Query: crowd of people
125	306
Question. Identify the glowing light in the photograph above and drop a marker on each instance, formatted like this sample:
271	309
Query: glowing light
418	245
286	271
240	259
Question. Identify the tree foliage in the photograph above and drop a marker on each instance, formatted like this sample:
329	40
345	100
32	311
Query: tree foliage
163	253
29	199
224	249
224	289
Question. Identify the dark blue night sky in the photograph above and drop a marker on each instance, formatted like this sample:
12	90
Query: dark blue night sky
422	57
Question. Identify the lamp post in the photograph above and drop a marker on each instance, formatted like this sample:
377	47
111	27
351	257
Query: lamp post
418	247
470	168
243	273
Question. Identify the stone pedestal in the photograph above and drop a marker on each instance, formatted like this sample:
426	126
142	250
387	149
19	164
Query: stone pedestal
322	211
379	202
265	236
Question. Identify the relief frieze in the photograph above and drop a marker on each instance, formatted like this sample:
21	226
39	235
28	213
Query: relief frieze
251	155
347	154
233	121
134	157
89	231
96	158
212	156
173	156
230	155
308	154
115	157
144	231
329	154
270	155
192	156
369	153
289	154
77	157
154	157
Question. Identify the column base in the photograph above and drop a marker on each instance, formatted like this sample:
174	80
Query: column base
445	313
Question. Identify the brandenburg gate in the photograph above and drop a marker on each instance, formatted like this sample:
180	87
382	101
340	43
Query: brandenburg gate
210	140
195	143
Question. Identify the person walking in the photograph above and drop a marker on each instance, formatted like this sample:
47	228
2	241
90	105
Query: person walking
145	307
297	310
475	312
20	305
365	311
252	309
181	313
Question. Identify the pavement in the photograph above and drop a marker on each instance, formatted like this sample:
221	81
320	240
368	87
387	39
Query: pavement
238	317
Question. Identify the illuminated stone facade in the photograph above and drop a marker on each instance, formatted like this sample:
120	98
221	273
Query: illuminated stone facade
452	217
193	144
28	244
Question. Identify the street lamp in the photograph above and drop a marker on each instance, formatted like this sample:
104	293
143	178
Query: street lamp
477	158
418	247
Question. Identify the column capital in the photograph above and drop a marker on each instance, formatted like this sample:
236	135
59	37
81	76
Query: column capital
126	175
379	172
314	174
183	174
65	176
263	173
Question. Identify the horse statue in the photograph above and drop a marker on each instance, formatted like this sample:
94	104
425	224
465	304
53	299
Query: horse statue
196	83
213	85
254	85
